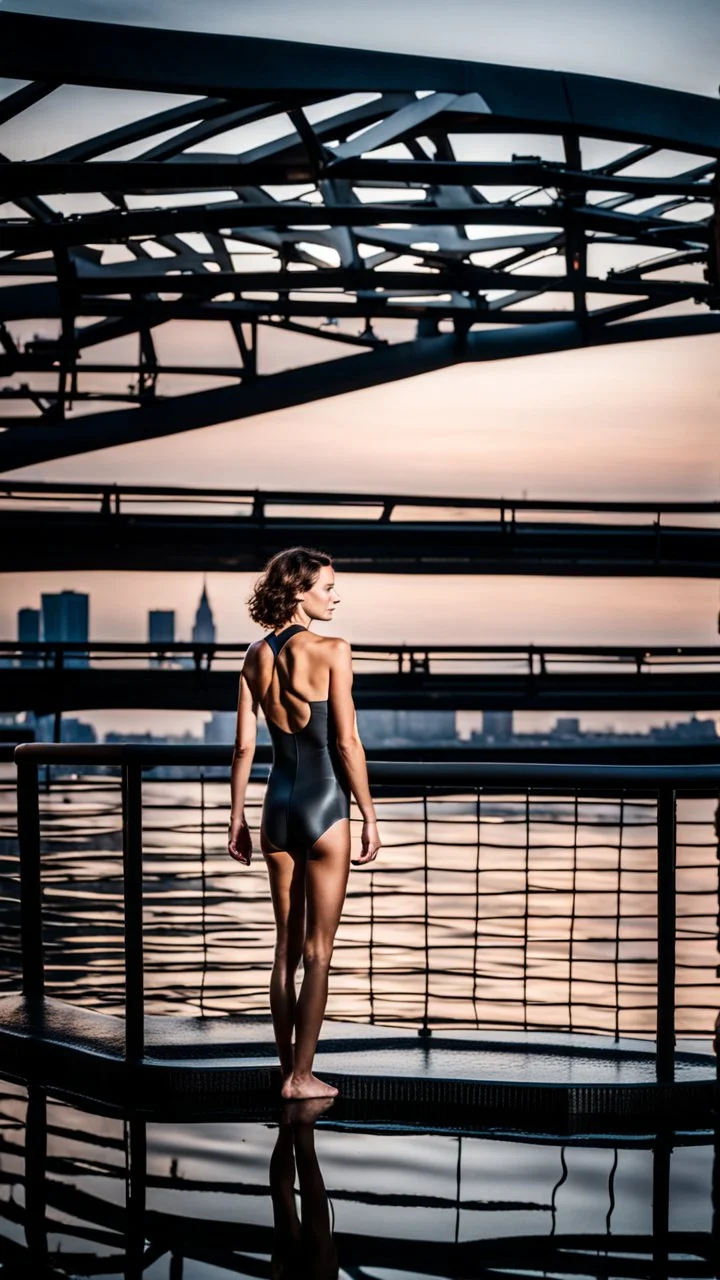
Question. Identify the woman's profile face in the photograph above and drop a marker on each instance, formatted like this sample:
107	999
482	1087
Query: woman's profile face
322	598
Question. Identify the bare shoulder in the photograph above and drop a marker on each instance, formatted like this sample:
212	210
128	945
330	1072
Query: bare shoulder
339	654
251	653
337	647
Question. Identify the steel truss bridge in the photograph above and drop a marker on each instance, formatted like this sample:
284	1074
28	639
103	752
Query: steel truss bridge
143	527
57	677
385	210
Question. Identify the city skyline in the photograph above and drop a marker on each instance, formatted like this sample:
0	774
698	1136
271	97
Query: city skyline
203	630
397	727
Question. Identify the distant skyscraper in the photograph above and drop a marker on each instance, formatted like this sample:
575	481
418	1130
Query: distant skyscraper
65	616
204	630
161	626
567	727
498	725
427	726
161	631
28	632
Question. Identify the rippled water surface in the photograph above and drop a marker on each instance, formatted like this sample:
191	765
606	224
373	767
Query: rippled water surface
105	1195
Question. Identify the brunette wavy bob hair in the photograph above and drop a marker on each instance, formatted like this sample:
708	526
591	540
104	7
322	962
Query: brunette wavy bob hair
285	576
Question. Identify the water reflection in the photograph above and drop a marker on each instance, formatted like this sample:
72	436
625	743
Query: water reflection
303	1245
315	1194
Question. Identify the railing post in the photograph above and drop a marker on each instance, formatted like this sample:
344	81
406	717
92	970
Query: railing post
30	882
133	911
666	860
424	1031
136	1196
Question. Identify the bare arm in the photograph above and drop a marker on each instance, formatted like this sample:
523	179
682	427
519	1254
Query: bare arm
239	842
349	745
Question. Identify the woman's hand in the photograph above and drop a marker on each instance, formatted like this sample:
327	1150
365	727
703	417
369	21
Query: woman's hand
370	842
240	841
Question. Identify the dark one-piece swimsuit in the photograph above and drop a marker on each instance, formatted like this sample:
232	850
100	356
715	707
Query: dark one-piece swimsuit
308	789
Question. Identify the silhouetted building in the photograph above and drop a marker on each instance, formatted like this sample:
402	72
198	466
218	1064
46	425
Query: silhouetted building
204	630
426	726
380	726
161	626
65	617
567	727
497	726
377	725
692	730
28	632
161	631
567	730
220	729
71	730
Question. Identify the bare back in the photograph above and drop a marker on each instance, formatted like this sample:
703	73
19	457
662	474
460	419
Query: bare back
285	684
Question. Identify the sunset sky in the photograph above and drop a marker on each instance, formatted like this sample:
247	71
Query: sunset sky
635	421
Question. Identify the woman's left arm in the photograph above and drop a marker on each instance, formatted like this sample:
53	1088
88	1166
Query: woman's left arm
239	841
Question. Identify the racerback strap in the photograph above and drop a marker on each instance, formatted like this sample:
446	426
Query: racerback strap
276	643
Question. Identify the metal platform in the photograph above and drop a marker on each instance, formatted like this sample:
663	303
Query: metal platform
536	1081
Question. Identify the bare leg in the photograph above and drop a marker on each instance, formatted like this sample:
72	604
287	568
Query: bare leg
320	1248
326	875
286	872
287	1232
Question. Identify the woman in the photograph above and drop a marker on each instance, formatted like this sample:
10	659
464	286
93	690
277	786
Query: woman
303	683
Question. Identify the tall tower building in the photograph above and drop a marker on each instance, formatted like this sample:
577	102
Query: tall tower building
161	631
204	629
161	626
497	726
65	616
28	632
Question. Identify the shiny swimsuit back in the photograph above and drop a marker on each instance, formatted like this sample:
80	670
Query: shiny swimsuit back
307	790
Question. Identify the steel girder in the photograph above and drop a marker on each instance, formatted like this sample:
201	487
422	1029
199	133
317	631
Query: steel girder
167	529
375	216
131	688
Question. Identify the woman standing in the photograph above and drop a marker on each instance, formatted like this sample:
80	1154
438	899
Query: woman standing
303	683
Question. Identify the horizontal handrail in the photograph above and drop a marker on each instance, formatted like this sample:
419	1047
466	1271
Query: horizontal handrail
407	772
259	497
629	653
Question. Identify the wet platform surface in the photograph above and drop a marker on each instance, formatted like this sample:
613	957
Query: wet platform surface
216	1062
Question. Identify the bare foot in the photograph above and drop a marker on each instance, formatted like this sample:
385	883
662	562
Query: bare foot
305	1111
307	1087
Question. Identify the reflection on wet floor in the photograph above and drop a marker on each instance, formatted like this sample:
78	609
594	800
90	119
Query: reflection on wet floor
309	1194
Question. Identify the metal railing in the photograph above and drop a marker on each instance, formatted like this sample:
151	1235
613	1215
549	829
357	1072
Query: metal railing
555	903
392	659
171	528
118	499
58	676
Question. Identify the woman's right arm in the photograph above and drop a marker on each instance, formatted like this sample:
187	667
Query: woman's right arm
349	746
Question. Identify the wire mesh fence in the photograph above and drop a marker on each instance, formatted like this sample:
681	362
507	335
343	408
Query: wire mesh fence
525	911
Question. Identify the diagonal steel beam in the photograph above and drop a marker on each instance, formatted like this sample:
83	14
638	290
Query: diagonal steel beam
301	386
15	103
198	173
31	237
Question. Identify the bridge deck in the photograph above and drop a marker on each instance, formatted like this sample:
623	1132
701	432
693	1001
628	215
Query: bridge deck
563	1082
